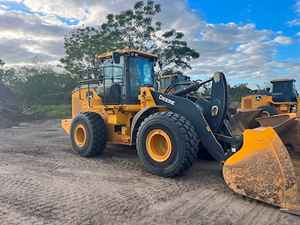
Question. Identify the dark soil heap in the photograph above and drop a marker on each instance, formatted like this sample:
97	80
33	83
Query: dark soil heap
9	113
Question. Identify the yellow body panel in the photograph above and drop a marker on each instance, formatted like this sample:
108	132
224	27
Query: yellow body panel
66	125
146	98
118	118
298	107
252	102
255	101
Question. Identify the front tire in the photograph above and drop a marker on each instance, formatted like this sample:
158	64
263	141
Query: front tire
88	134
167	144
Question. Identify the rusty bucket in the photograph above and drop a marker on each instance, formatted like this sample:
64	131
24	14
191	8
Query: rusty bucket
263	170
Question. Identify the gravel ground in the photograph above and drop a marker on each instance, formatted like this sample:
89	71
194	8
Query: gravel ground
43	182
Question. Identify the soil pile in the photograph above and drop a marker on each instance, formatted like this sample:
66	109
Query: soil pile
9	113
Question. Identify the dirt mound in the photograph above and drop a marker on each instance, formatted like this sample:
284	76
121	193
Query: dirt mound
9	112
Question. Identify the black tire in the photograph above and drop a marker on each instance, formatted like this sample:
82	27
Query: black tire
184	144
96	134
267	111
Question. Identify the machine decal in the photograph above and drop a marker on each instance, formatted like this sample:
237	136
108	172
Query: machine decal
166	100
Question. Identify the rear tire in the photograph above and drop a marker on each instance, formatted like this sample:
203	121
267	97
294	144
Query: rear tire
88	134
180	135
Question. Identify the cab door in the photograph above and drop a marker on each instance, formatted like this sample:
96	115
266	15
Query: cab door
140	73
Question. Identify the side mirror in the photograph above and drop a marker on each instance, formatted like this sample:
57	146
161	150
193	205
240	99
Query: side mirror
160	64
116	57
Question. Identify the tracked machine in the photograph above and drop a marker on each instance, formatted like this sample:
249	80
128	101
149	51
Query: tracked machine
124	106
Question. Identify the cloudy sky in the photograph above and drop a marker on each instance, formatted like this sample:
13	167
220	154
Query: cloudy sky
251	41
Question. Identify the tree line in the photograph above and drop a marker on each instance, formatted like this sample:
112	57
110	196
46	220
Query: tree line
45	86
38	86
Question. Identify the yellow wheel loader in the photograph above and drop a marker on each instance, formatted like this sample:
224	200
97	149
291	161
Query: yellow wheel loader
283	99
282	102
123	106
278	109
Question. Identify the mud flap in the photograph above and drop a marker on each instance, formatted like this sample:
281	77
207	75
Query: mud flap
262	169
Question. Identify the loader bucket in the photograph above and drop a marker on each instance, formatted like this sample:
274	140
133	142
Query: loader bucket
287	126
243	120
275	121
263	170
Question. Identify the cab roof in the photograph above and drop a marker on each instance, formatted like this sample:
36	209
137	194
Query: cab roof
283	80
108	55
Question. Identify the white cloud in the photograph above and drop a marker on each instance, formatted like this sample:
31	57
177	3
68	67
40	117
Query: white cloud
68	9
242	51
23	37
17	1
295	22
283	40
298	34
298	7
88	12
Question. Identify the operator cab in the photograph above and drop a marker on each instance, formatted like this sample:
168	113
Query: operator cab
173	82
284	90
123	73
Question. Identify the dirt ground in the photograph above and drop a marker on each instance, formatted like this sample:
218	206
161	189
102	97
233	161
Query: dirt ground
43	182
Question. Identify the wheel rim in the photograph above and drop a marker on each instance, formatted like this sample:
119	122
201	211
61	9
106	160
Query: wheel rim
80	135
158	145
265	114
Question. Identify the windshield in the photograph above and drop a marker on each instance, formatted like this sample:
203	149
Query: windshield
141	73
284	91
282	87
141	70
112	74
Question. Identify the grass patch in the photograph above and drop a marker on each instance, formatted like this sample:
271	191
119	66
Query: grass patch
51	111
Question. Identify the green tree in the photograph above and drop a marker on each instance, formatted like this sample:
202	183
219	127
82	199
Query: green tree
43	87
238	91
7	75
2	71
175	54
136	28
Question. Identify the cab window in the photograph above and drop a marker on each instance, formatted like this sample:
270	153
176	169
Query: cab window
141	73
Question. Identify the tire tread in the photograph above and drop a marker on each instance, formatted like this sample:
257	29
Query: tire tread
187	131
98	129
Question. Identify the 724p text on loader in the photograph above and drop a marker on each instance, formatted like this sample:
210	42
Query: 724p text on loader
124	106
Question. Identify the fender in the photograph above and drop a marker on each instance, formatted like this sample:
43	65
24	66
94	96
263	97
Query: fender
194	113
138	119
219	98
